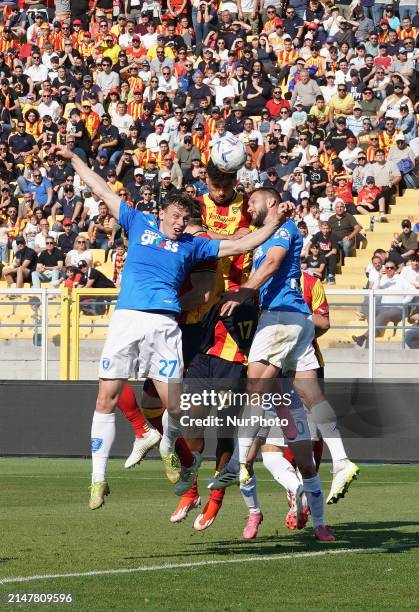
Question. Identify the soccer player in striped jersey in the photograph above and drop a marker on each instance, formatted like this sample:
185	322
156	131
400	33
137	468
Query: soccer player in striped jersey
222	356
225	215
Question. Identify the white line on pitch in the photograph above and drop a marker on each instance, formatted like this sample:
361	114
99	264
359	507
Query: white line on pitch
162	478
169	566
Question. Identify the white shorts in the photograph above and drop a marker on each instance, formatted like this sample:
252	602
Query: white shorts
284	339
142	344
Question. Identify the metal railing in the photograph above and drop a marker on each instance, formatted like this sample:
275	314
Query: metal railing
41	309
372	311
70	325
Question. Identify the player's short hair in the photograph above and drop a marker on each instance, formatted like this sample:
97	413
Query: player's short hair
180	200
196	214
325	223
269	191
218	177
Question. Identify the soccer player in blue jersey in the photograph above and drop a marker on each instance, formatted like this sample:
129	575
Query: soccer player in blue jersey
143	336
283	341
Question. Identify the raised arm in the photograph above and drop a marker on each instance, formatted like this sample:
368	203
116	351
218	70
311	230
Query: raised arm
254	239
91	179
273	260
247	243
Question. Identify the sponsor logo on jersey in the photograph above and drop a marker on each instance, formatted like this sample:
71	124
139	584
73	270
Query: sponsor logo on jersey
282	233
149	237
222	218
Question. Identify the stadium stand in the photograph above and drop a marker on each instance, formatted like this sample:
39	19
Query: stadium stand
322	97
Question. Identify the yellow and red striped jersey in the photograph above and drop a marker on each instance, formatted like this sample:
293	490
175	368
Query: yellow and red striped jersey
91	121
287	57
271	24
205	156
370	153
210	126
34	129
135	109
136	83
57	41
144	157
201	143
326	160
6	45
159	159
386	140
383	38
412	33
86	50
317	62
76	39
315	298
227	220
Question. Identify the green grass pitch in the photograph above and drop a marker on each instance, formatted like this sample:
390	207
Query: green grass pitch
46	528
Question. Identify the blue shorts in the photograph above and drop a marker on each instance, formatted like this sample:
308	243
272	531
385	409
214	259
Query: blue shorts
209	366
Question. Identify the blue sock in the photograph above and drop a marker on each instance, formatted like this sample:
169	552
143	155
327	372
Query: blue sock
314	494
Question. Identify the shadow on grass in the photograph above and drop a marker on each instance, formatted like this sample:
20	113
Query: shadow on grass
360	535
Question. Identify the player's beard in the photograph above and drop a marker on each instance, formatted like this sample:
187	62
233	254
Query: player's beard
260	217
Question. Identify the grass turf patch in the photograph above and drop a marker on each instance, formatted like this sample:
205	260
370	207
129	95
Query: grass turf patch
48	529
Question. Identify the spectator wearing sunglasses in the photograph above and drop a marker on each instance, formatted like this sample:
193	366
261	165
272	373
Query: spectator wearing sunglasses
49	265
390	309
79	252
146	203
102	225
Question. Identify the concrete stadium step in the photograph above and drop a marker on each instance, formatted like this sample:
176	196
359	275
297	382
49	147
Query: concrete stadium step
405	206
396	215
339	316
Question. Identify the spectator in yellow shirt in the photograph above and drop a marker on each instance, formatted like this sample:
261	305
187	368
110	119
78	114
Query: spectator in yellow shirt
341	104
321	111
110	49
112	182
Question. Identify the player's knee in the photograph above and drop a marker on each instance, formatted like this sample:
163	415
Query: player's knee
106	402
254	386
225	445
307	469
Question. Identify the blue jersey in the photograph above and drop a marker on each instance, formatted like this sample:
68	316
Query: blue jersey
156	266
282	291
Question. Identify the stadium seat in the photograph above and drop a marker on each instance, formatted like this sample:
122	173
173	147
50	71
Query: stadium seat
98	256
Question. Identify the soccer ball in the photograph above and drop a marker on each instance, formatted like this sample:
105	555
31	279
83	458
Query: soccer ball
228	154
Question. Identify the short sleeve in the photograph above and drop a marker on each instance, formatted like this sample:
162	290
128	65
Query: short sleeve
353	221
205	248
282	238
319	304
128	216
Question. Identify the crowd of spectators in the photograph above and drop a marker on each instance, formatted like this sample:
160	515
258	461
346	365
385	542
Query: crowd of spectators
324	96
395	271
